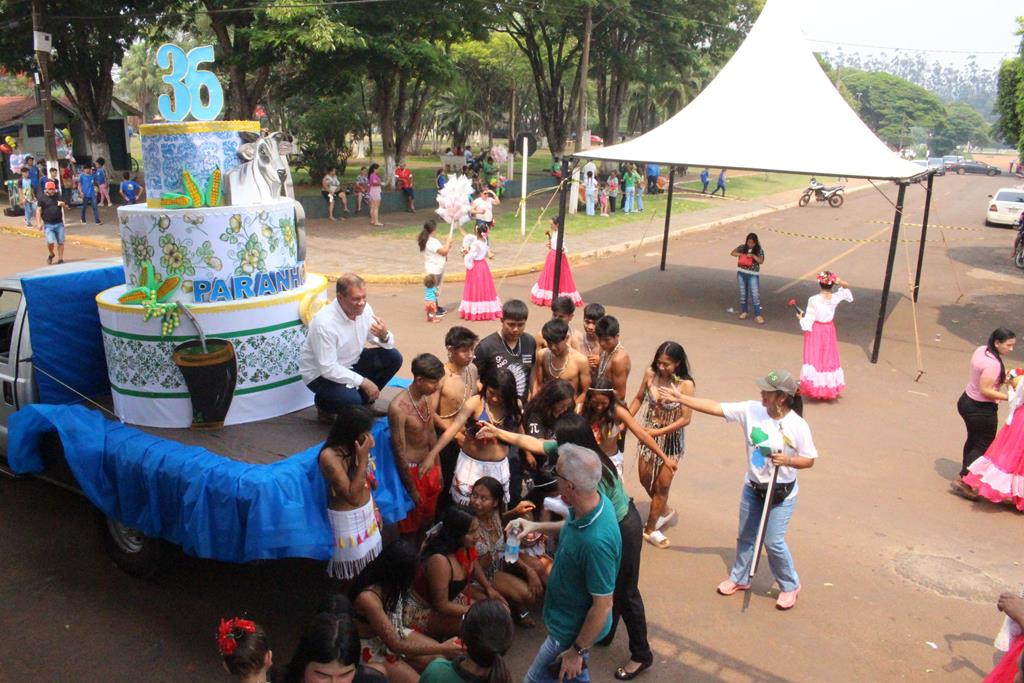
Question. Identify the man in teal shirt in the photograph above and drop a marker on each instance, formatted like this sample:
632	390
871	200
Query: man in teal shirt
578	598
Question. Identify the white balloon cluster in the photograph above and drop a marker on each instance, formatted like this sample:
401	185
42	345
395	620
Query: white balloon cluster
499	153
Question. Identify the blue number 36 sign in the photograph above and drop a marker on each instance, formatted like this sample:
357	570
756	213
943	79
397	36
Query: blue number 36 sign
187	82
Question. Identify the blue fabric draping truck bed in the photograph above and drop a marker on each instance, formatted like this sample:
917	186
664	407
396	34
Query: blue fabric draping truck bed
212	506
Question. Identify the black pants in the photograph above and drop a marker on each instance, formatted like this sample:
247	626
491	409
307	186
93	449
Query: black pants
981	420
627	602
611	203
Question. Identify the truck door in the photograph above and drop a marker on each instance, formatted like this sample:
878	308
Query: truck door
10	378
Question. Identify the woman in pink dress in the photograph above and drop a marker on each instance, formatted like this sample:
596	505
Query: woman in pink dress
542	291
822	376
375	189
998	475
479	297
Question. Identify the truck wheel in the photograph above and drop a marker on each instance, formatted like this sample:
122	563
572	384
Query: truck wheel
131	550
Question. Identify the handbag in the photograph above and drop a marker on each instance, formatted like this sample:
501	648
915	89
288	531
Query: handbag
745	261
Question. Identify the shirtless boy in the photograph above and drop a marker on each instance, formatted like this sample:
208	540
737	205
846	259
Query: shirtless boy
411	418
613	361
588	342
562	308
457	386
558	361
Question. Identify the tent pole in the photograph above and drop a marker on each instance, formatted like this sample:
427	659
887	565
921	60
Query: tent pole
893	241
560	242
668	215
924	234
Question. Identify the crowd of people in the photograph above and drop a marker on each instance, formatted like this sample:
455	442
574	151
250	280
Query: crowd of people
511	452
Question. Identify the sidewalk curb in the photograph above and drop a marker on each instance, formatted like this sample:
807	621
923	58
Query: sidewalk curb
592	254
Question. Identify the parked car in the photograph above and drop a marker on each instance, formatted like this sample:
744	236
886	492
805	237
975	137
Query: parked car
937	164
950	161
971	166
1005	207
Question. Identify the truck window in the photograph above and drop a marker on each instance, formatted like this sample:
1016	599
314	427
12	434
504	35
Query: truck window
10	300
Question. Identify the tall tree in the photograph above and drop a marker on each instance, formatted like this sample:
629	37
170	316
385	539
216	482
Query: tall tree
1010	96
891	105
549	36
89	38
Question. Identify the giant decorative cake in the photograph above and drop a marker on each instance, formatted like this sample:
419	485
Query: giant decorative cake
218	247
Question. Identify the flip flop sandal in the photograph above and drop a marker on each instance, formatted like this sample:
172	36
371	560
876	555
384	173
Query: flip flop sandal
657	539
664	519
525	619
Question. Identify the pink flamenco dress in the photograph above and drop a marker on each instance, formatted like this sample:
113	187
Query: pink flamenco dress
821	376
541	292
479	297
998	475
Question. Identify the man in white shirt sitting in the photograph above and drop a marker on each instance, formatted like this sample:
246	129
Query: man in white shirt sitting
335	363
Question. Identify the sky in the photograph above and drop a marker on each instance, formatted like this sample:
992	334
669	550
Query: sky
949	30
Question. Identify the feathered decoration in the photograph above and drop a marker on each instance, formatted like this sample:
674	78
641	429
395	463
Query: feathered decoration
229	631
453	200
500	154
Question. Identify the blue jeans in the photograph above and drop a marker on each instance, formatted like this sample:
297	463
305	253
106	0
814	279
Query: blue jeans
591	198
779	558
549	651
639	198
30	213
54	233
749	283
630	194
87	200
378	365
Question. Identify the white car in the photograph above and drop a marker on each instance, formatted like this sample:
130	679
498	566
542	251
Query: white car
1005	206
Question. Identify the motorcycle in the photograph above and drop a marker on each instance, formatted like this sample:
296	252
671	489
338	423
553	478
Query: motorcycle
821	193
1018	244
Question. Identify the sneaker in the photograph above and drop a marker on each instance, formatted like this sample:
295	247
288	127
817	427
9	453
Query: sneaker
49	260
743	315
99	222
759	320
728	587
440	313
787	599
60	261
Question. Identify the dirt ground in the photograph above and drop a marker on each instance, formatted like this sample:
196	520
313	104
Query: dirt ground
899	576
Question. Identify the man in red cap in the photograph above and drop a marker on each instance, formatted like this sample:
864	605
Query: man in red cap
50	219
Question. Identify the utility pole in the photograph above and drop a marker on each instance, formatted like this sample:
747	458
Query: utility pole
42	45
581	120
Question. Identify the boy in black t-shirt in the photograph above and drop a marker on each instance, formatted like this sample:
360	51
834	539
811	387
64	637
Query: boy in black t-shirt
509	347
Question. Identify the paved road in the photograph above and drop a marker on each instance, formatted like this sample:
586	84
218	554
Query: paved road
899	577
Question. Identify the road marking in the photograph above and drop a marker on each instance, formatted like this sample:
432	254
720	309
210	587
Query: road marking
817	269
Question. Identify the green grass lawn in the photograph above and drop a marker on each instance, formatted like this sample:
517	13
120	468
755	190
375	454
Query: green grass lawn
753	185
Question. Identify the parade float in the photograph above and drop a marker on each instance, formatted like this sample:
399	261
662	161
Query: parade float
208	327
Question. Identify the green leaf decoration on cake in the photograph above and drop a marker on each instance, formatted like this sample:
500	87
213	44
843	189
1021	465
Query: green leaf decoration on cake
153	295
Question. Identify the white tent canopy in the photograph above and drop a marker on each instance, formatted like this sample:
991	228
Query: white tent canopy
770	108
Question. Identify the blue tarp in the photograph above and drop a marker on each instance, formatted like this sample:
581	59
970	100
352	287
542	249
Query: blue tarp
65	324
210	505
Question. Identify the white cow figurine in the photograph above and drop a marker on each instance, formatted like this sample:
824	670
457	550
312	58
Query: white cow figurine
261	175
264	176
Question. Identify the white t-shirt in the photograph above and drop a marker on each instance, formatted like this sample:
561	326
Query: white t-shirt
821	310
590	185
482	209
791	435
433	263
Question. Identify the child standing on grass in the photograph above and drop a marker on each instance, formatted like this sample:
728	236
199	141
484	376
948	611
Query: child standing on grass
602	198
430	298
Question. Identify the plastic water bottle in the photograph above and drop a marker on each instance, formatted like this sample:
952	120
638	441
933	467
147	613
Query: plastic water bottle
512	545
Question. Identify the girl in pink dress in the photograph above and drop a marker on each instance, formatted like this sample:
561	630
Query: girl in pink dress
822	376
479	297
999	474
541	292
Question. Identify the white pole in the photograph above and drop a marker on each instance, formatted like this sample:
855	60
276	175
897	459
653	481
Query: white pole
522	196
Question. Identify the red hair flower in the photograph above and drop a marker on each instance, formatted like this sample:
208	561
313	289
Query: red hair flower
227	638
